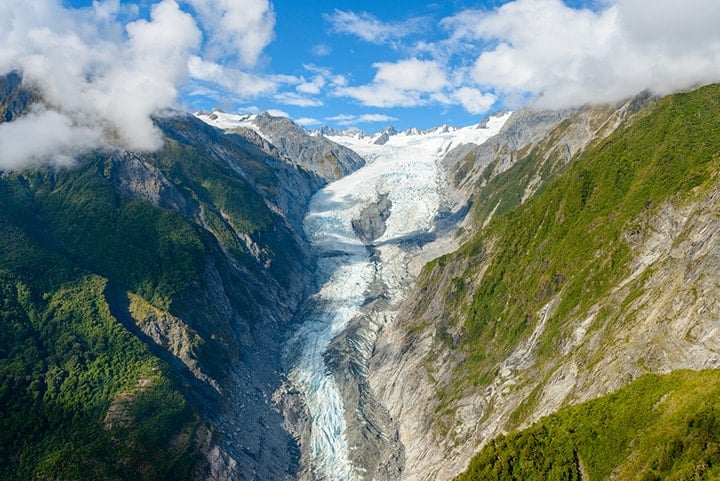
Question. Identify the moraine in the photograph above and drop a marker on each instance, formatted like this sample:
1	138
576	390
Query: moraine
401	188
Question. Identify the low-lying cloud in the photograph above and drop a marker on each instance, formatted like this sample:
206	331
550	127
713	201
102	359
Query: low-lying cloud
104	70
29	139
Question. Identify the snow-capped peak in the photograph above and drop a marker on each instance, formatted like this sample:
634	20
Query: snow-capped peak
226	121
438	139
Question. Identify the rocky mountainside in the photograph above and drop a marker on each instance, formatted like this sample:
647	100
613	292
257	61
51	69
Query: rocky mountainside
145	301
281	137
589	261
248	302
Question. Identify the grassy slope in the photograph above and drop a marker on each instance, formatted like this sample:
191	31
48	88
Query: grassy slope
567	241
658	427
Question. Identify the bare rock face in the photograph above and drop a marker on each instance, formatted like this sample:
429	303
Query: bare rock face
15	98
316	154
136	177
371	223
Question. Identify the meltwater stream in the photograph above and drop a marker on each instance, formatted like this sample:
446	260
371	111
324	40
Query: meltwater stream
405	169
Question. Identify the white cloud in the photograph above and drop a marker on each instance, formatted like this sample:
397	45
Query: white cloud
98	74
412	74
278	113
473	100
369	28
562	56
291	98
569	56
349	119
238	82
103	70
312	87
236	27
44	136
327	74
321	50
307	121
382	95
342	118
376	118
405	83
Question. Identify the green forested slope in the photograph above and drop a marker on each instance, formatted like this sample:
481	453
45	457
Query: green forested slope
567	243
84	394
658	427
63	359
64	355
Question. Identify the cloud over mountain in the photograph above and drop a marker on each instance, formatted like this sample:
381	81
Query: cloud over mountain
569	56
548	50
104	70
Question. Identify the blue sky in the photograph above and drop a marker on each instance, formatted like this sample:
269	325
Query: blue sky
106	67
315	40
322	57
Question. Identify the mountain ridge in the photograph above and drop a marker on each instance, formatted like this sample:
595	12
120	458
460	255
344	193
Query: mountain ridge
475	319
196	260
148	298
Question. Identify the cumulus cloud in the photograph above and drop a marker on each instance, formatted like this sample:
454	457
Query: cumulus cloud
99	77
545	49
105	71
473	100
239	27
399	84
33	137
573	56
369	28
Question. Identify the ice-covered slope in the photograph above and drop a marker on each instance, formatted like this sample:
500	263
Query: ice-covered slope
403	175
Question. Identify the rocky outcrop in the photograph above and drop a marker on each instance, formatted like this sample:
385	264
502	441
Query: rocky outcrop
316	154
136	177
15	97
370	225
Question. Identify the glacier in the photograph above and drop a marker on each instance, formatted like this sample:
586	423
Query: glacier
406	168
